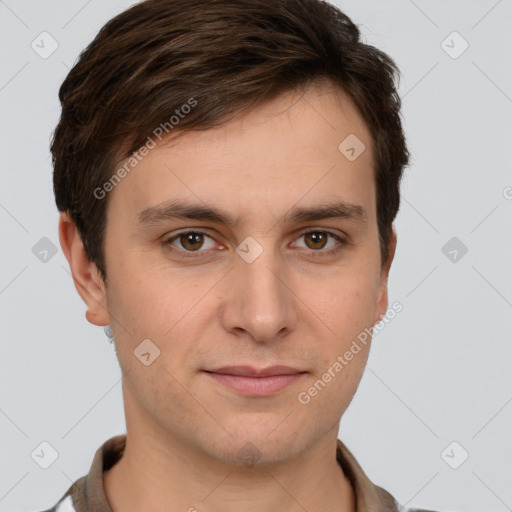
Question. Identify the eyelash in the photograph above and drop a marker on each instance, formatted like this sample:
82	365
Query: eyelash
314	253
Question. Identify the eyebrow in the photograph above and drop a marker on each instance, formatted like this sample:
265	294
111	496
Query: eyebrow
184	210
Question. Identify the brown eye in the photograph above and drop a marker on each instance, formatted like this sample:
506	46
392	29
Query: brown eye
320	243
191	241
316	239
191	244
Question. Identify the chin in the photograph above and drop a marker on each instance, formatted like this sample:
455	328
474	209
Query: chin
254	446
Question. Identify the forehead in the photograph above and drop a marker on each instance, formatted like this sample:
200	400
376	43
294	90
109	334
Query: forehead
287	151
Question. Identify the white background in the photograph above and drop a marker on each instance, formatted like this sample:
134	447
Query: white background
439	372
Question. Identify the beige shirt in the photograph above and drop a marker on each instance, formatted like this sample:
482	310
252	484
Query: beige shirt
87	494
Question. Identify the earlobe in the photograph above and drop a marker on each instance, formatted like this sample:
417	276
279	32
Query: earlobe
86	277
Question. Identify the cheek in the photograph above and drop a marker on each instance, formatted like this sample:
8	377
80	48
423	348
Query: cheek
329	393
147	302
347	308
347	304
165	308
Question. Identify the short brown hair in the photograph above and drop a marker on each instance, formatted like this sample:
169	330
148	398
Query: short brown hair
228	56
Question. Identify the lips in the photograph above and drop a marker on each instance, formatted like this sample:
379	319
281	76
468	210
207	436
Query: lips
249	371
250	381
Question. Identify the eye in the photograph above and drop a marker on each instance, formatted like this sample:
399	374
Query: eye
191	241
322	241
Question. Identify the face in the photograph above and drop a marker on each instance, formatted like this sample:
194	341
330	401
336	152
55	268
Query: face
267	255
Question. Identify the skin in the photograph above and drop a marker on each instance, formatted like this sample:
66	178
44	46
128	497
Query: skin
184	429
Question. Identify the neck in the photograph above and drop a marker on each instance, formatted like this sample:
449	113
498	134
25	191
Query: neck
159	473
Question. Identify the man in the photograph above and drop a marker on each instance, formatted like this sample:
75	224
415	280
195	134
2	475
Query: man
228	174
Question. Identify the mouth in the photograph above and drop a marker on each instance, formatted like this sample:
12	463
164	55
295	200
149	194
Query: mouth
251	381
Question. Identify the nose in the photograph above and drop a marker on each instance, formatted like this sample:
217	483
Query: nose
259	302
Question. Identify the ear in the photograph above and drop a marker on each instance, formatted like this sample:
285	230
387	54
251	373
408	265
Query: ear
86	277
382	300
